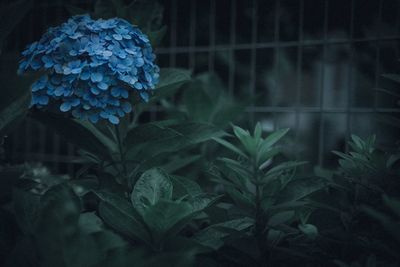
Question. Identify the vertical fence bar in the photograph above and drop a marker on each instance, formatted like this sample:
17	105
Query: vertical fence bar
378	56
173	14
27	122
56	146
350	77
299	78
42	129
211	51
397	27
322	88
192	35
232	42
253	53
277	52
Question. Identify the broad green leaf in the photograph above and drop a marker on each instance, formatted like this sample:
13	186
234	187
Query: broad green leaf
213	235
180	162
152	186
197	132
149	140
119	214
171	79
83	136
104	139
164	215
198	103
201	202
186	185
281	218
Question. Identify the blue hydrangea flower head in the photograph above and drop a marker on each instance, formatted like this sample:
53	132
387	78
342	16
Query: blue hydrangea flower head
91	68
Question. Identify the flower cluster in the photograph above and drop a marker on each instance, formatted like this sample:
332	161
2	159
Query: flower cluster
92	67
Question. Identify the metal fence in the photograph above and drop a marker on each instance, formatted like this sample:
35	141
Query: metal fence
311	65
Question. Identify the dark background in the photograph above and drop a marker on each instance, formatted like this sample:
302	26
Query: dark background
311	65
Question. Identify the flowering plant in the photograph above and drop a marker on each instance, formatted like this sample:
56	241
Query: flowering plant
92	67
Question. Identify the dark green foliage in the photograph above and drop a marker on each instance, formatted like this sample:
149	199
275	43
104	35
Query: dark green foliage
270	196
186	191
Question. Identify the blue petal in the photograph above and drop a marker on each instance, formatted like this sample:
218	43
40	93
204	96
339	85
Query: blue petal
127	107
96	77
94	90
102	86
145	96
85	75
66	106
94	118
113	119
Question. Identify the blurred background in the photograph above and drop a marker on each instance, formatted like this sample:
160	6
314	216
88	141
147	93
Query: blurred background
315	66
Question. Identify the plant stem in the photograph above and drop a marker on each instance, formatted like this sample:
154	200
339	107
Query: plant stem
259	222
121	154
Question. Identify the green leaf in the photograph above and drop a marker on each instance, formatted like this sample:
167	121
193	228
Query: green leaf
311	231
180	162
186	185
257	131
246	139
230	146
280	169
300	188
243	200
149	140
10	15
237	167
81	134
152	186
213	235
119	214
281	218
13	111
201	202
272	139
164	215
171	79
26	207
89	223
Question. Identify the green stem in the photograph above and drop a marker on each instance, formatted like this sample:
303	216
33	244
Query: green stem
121	154
259	222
